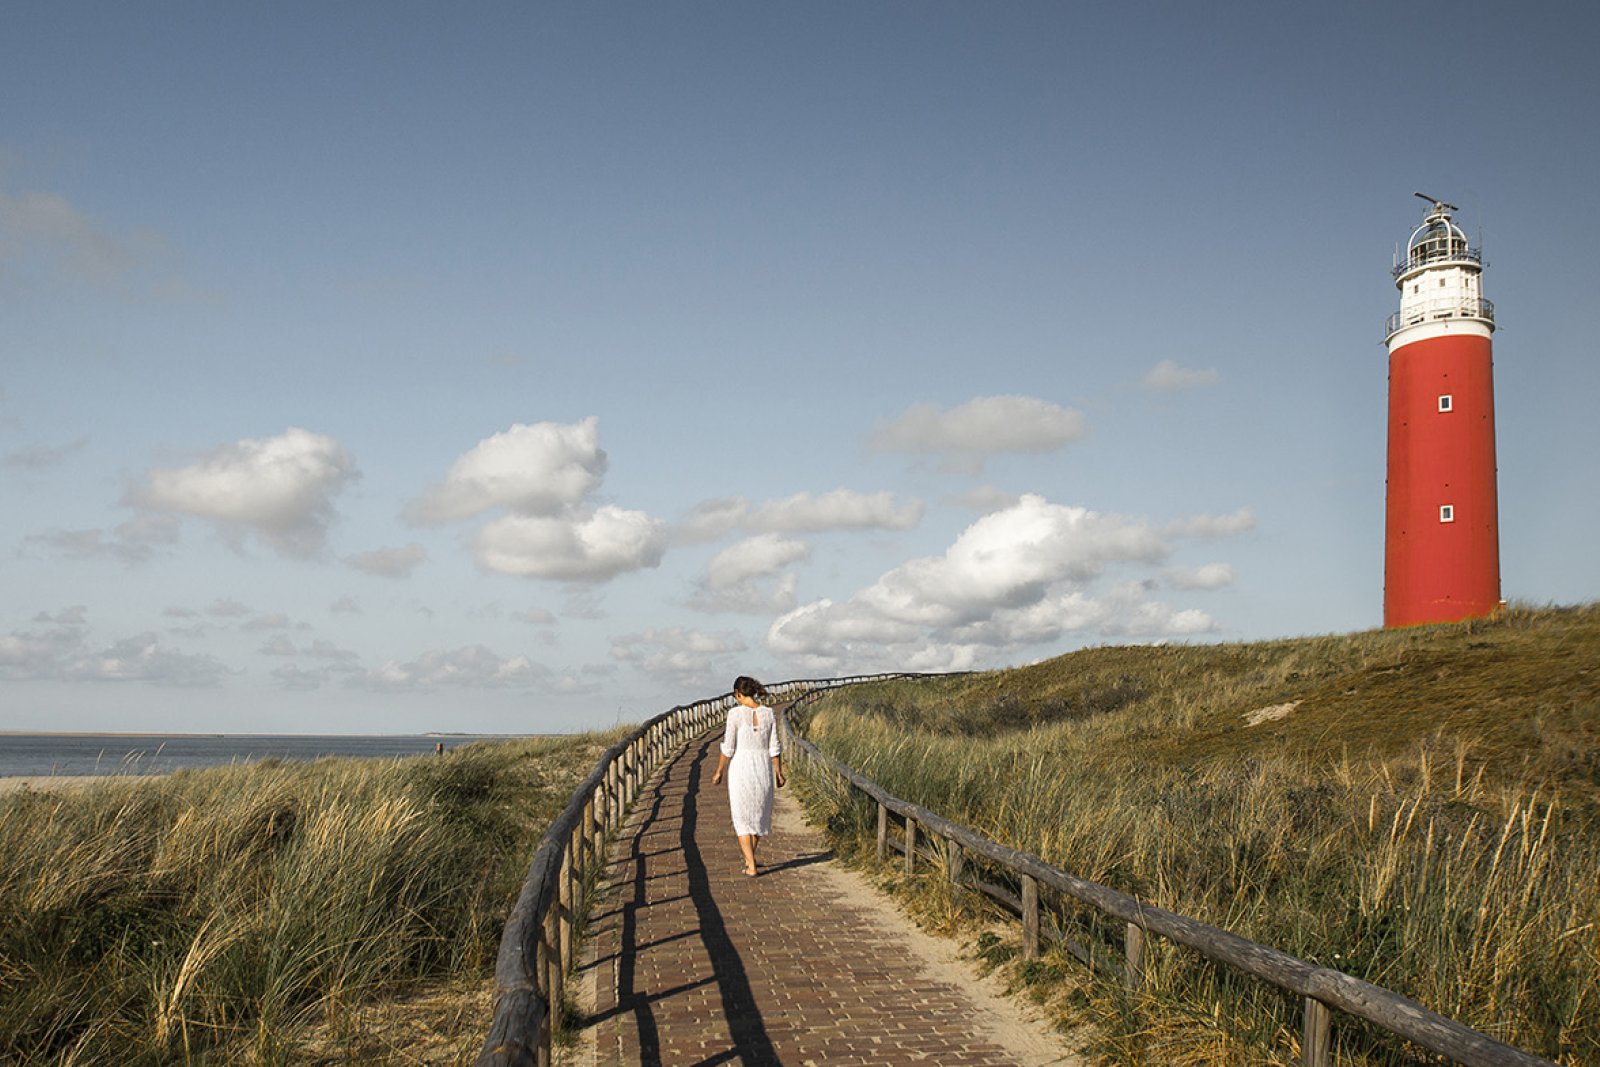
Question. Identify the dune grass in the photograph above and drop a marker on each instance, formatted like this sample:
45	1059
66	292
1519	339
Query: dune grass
1420	808
267	913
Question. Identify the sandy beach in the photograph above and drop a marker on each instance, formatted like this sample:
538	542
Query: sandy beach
50	782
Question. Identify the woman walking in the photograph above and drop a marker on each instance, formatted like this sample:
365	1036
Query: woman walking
752	758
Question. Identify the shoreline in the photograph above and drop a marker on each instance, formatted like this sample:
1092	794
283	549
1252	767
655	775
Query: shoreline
55	783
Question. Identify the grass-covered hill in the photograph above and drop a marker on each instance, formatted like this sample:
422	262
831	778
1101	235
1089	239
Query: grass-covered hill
274	913
1418	807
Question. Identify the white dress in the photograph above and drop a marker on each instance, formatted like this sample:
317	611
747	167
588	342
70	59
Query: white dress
750	742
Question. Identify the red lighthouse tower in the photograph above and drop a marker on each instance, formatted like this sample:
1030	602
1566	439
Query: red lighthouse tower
1442	531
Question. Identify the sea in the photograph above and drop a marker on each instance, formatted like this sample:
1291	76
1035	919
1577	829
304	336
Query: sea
38	755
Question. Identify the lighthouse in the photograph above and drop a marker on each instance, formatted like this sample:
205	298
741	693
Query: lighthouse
1442	527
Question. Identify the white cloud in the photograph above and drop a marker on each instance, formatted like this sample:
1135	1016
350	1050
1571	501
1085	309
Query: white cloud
754	557
677	654
964	437
747	577
64	653
1014	579
279	488
1168	377
1209	527
470	667
1207	576
390	562
278	646
839	509
588	549
529	470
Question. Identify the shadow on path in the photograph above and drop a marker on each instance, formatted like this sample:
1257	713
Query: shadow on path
739	1009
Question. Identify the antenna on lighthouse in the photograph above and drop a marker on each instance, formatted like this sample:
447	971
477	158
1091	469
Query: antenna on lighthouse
1439	205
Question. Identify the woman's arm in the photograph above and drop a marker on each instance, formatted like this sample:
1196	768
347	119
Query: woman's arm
777	770
730	742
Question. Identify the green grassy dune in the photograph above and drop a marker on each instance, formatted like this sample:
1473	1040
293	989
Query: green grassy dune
1419	807
337	911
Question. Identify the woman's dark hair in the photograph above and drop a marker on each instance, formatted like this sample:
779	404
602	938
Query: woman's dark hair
746	686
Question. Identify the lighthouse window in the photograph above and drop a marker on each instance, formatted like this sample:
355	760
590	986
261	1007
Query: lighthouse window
1447	513
1447	402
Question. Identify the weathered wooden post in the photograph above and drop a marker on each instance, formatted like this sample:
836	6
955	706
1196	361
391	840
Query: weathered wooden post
564	904
541	982
1133	956
911	845
1318	1030
957	857
883	830
1030	917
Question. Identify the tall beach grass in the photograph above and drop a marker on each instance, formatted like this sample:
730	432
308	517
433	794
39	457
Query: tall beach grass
1419	808
253	913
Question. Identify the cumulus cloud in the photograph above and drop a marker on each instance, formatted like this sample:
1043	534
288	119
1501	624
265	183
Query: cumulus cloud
542	476
280	489
390	562
1168	377
1207	576
1211	527
840	509
676	654
469	667
529	470
754	557
1014	579
747	577
965	437
63	652
587	549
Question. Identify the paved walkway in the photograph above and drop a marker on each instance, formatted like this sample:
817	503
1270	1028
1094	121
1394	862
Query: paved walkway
692	963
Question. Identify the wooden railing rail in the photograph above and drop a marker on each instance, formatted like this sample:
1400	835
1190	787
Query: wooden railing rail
541	933
1321	988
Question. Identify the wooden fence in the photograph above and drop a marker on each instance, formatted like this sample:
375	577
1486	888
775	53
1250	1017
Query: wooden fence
1323	990
536	949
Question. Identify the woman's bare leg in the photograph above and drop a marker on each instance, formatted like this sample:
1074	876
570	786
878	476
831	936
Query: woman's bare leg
747	845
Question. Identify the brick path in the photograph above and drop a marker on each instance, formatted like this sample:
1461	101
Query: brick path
692	963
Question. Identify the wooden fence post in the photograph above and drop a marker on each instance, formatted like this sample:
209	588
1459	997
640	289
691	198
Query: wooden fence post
1133	956
883	830
955	863
541	980
565	907
911	845
1030	917
1318	1029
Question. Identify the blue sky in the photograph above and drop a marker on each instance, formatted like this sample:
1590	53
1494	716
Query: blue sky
399	367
